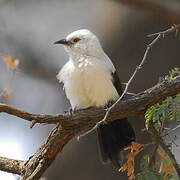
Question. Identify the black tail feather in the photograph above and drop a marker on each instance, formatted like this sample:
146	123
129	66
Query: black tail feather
113	137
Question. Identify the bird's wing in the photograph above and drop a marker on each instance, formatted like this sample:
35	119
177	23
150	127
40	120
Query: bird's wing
117	83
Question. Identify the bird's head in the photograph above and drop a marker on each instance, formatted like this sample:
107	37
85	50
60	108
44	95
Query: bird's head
81	42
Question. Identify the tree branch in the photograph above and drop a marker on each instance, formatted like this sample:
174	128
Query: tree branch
11	165
69	126
171	156
158	36
134	106
40	118
45	155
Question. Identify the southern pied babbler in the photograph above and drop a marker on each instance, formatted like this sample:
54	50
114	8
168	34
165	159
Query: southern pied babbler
90	80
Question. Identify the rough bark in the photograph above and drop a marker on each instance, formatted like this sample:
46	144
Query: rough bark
68	126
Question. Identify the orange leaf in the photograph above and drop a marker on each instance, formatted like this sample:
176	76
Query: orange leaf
130	170
169	169
10	62
130	156
123	168
162	154
6	93
131	177
134	148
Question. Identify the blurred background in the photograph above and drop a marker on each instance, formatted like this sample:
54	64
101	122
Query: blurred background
27	32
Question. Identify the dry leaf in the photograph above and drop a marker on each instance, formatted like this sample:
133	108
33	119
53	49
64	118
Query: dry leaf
162	154
123	168
6	93
11	63
169	169
134	148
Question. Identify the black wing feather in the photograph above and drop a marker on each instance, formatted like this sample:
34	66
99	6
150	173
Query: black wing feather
114	136
117	83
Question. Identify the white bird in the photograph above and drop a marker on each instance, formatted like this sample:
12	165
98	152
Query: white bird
90	80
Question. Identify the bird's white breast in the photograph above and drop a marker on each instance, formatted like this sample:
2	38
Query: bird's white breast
87	83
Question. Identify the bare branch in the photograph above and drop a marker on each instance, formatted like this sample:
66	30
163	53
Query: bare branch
149	46
173	129
11	165
152	159
133	106
45	155
68	126
38	118
174	28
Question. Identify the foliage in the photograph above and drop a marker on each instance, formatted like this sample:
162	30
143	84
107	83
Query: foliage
163	171
149	173
173	73
134	149
156	117
168	110
11	64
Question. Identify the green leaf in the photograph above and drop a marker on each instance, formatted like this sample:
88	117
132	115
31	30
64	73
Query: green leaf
144	162
149	174
168	110
173	73
174	177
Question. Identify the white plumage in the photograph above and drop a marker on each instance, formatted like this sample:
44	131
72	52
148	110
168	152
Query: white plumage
88	81
87	76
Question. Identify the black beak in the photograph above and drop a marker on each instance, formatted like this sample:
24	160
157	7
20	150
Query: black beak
64	42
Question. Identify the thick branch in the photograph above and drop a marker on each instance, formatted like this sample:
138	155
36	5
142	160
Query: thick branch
11	165
69	127
40	118
134	106
46	154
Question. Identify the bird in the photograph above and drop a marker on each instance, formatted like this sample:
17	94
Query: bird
91	80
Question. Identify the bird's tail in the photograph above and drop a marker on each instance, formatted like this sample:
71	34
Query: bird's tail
113	137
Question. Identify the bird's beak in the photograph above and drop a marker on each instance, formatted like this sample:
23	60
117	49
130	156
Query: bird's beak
64	42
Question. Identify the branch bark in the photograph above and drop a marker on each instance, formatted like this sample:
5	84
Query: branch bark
11	165
45	155
134	106
68	127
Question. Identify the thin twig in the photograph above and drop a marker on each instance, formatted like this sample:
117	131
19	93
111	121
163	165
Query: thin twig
68	128
174	28
170	130
125	90
132	94
135	106
173	141
152	159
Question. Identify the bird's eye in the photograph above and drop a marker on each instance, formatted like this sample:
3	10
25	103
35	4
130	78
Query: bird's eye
76	40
